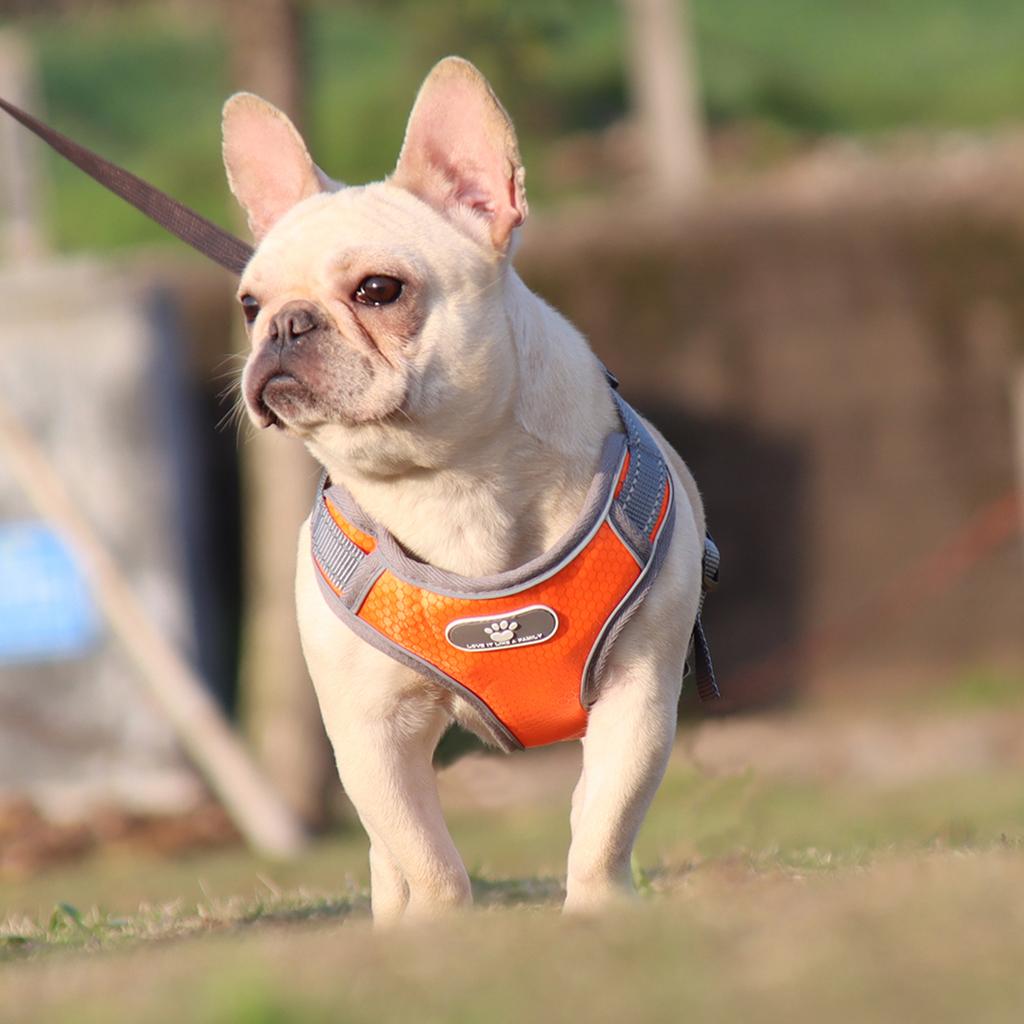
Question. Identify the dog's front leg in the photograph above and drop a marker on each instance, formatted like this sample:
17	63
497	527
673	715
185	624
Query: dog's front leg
386	768
384	723
629	737
631	728
384	755
384	750
630	732
389	891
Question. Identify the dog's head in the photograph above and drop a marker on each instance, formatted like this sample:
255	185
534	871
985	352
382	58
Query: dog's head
378	310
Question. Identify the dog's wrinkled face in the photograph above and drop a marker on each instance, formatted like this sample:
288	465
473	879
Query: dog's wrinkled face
378	306
337	299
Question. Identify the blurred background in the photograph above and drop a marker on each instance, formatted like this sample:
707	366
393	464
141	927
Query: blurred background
794	230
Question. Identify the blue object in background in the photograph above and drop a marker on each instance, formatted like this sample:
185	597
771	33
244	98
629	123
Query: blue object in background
46	609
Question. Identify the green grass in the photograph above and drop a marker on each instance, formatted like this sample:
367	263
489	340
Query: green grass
979	688
785	952
761	898
937	941
762	823
145	86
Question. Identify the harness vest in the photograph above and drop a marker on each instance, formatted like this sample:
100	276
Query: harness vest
526	648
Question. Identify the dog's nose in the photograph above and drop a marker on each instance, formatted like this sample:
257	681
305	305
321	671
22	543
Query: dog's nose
293	320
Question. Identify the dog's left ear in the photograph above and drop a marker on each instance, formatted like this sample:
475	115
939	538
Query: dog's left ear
460	153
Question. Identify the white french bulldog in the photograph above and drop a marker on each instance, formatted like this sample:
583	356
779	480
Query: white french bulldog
392	336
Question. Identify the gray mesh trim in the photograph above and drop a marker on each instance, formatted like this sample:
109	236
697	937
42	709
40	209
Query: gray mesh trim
338	557
348	507
644	486
638	543
500	735
369	571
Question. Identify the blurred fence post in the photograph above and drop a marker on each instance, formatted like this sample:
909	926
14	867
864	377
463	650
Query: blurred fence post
279	707
262	818
663	80
20	165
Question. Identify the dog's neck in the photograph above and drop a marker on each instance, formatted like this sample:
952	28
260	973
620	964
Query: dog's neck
508	494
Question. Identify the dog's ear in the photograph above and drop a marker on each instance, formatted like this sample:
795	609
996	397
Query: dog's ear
460	152
269	168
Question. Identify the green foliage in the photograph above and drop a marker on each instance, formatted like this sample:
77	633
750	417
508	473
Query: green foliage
145	86
863	67
145	92
64	918
982	688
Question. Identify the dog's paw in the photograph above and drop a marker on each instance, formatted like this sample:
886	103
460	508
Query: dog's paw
501	632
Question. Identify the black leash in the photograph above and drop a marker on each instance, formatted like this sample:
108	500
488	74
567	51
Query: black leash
219	245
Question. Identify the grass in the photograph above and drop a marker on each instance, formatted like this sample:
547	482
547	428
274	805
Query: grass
937	940
979	688
764	898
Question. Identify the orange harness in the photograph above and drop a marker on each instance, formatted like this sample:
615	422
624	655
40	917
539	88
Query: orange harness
527	647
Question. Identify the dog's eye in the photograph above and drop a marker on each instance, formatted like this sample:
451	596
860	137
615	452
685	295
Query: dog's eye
250	308
378	290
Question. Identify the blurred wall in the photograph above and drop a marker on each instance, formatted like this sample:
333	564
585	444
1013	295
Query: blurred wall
92	367
834	364
832	354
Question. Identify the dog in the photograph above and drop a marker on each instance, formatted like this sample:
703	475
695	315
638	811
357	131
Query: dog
467	419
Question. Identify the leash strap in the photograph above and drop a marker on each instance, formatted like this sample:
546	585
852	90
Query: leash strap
213	242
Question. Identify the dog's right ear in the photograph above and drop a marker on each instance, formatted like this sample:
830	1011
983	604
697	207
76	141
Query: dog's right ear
460	153
269	168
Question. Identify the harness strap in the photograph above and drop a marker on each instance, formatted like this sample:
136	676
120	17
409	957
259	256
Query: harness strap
707	685
701	665
637	510
645	480
213	242
643	487
337	555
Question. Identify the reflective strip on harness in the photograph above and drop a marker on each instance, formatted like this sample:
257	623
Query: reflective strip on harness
337	556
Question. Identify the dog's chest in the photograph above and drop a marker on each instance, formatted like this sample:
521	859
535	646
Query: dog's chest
476	527
526	645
